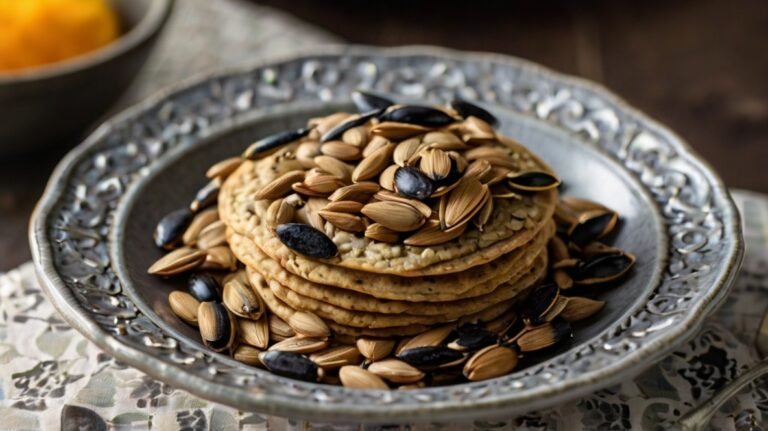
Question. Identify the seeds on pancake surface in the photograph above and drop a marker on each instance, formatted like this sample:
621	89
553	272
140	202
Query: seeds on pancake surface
431	234
184	305
266	146
340	150
291	365
478	169
280	186
306	153
396	371
410	182
419	115
206	196
242	300
473	129
213	235
204	287
219	257
300	345
360	192
279	212
543	336
336	357
248	355
323	184
497	157
580	308
387	178
350	207
432	337
532	181
591	226
473	337
435	164
349	123
335	167
373	164
310	213
397	216
216	326
224	168
464	202
201	221
429	356
178	261
357	378
378	232
254	332
384	195
366	102
539	302
375	349
406	150
442	140
490	362
170	229
603	269
484	215
467	109
308	325
344	221
278	329
306	240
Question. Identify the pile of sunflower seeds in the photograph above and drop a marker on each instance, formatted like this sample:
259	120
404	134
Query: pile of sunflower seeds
233	318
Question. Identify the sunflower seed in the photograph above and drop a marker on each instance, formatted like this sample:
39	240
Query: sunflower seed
357	136
254	332
405	150
204	287
278	329
340	150
377	232
539	302
419	115
375	349
306	153
335	167
344	221
323	184
280	186
603	269
443	141
184	305
300	345
213	235
490	362
555	310
308	325
387	178
279	212
430	356
474	129
248	355
219	257
473	337
396	371
354	121
412	183
180	260
360	192
372	165
431	234
267	145
532	181
484	215
501	324
497	157
349	207
423	208
478	169
543	336
398	131
357	378
444	189
206	196
595	249
306	240
591	226
466	200
432	337
310	213
466	109
241	299
170	229
397	216
557	249
580	308
224	168
324	124
366	102
216	326
291	365
201	220
374	144
336	357
495	176
562	279
435	164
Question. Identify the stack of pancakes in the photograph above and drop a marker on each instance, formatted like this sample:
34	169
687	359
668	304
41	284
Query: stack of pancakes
378	289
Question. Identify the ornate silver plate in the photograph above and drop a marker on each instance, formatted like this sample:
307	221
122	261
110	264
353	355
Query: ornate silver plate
90	234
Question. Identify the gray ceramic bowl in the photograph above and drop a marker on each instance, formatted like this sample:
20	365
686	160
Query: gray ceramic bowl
56	103
91	233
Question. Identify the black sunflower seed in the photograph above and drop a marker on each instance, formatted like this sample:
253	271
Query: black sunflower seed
290	364
466	109
418	115
204	287
429	356
539	301
342	127
170	229
410	182
222	328
206	196
593	227
263	146
533	181
306	240
473	337
366	102
603	268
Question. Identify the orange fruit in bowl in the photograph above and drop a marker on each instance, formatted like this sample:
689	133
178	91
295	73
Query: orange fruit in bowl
38	32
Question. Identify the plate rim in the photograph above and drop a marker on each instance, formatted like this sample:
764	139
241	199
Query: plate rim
64	300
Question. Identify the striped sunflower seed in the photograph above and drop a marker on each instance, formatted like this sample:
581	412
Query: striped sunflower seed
342	151
374	144
384	195
178	261
336	357
344	221
350	207
213	235
372	165
387	178
543	336
396	216
396	371
219	257
184	305
254	332
478	169
466	200
484	215
580	308
492	361
308	325
217	326
360	192
278	329
435	164
224	168
445	141
431	234
201	220
378	232
280	186
242	300
300	345
375	349
405	150
335	167
279	212
357	378
323	184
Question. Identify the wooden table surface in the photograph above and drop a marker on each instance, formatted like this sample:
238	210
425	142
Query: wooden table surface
699	66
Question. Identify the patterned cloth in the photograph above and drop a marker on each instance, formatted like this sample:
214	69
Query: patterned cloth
51	377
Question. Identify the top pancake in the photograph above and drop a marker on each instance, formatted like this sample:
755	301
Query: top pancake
514	222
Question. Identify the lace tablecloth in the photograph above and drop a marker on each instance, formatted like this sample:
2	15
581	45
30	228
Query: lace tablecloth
53	378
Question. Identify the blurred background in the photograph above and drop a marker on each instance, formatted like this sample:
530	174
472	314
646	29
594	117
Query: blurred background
699	66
